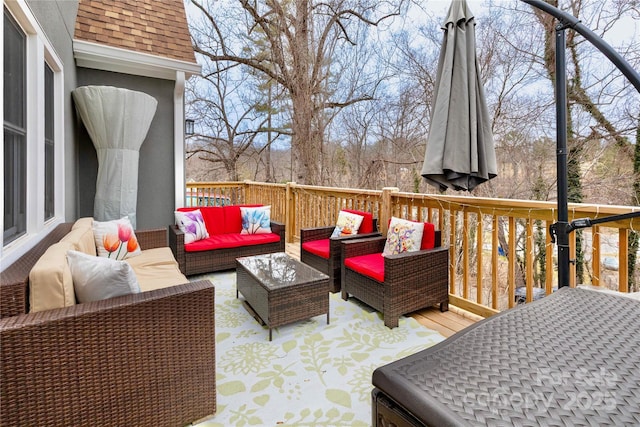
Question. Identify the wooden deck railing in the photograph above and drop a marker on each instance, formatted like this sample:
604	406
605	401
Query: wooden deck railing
492	242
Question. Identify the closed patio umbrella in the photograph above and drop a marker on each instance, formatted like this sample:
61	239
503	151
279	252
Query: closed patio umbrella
460	152
117	121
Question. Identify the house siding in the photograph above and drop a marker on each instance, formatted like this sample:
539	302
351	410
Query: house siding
57	19
156	173
56	24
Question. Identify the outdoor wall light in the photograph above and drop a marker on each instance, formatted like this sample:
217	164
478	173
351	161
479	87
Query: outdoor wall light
188	126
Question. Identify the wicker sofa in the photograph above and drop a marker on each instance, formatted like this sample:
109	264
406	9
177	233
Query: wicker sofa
145	359
225	242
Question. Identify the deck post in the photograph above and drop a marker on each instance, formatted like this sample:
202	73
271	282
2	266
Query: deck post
387	209
290	213
249	196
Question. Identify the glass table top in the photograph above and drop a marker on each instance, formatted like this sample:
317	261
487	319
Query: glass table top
278	269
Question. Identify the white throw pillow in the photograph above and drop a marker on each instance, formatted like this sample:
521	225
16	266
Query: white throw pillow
403	236
348	223
192	225
115	239
256	220
97	278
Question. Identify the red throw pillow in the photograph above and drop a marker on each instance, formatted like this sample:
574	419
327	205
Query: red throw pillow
367	221
428	236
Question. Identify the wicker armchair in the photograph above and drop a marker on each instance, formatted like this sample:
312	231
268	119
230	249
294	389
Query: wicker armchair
145	359
329	265
412	280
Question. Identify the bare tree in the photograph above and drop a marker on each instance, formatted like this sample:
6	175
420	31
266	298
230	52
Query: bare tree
228	120
301	36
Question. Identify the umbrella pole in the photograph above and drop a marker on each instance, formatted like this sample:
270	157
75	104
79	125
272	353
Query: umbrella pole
562	226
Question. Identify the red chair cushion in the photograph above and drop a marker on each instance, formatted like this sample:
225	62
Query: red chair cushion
428	235
317	247
371	265
367	222
233	219
225	241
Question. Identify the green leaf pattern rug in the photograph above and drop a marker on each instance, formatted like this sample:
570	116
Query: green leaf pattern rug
311	374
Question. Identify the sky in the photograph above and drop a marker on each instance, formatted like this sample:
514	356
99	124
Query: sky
626	29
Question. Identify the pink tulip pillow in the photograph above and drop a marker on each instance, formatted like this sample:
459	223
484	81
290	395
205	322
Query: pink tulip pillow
115	239
191	223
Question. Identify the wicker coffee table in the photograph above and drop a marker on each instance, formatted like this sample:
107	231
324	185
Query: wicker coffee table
279	289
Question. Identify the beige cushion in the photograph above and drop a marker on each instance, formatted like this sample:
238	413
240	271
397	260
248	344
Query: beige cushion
83	223
82	240
50	282
156	269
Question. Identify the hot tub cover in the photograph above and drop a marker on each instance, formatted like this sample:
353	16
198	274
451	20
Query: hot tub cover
568	359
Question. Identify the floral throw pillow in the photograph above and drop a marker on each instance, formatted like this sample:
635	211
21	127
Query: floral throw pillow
115	239
192	225
348	223
256	220
403	236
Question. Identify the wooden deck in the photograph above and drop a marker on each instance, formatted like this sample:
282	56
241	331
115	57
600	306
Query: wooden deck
447	323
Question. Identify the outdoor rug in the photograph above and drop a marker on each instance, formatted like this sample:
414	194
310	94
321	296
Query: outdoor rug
311	374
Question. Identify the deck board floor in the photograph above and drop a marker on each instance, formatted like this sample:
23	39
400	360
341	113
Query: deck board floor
446	323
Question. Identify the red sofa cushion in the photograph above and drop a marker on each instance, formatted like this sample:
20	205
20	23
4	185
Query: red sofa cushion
233	219
226	241
367	222
317	247
371	265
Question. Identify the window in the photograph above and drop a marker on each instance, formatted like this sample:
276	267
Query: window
33	93
49	152
15	134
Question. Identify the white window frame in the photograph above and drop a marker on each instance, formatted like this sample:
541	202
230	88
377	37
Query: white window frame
39	51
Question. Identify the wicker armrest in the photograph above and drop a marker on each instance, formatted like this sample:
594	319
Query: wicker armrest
15	278
278	228
335	243
142	359
315	233
416	264
150	239
357	247
176	243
